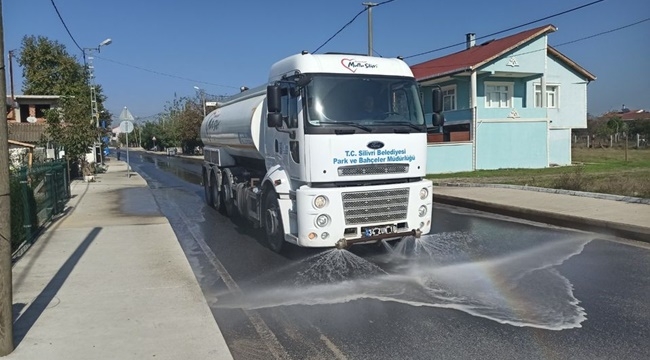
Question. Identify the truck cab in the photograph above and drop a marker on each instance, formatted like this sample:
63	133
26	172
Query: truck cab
351	135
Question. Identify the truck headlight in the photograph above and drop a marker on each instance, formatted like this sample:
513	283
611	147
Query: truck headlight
320	201
422	211
322	220
424	192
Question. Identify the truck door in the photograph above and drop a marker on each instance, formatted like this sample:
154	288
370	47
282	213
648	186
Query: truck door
289	143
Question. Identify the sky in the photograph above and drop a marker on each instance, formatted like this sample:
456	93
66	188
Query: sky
164	48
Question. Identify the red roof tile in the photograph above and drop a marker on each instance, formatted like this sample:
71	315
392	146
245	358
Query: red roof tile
475	56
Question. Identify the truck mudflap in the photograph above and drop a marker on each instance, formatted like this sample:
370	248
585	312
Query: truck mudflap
346	243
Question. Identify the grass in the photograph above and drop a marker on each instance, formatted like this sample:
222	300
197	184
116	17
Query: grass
601	170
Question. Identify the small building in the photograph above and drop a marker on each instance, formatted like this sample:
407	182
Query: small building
26	116
496	114
31	108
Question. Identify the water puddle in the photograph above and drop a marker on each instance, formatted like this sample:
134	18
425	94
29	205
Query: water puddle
520	288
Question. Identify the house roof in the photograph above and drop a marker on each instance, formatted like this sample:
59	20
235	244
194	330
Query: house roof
26	132
572	64
36	97
633	115
477	56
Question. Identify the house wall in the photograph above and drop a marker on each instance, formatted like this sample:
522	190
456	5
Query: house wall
572	110
504	145
529	59
559	143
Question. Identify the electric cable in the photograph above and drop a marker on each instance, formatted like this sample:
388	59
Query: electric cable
164	74
554	46
66	26
350	22
508	29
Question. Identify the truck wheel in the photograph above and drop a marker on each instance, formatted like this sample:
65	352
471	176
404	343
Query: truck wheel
207	190
272	221
215	193
227	200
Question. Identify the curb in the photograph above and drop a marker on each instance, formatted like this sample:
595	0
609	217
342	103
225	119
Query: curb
628	199
569	221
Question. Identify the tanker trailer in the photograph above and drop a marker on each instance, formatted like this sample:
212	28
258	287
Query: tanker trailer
304	159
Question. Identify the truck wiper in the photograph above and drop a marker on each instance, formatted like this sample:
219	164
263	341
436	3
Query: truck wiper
413	126
347	123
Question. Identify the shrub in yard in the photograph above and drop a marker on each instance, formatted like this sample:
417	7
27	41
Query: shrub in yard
573	180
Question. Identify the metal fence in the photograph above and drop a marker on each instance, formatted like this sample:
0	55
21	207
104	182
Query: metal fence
37	194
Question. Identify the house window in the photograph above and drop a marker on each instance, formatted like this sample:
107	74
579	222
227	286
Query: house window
41	110
498	95
552	92
449	98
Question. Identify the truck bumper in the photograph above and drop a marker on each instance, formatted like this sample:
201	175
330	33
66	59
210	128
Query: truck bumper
362	214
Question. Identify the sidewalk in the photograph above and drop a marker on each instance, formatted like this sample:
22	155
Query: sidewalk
609	214
109	280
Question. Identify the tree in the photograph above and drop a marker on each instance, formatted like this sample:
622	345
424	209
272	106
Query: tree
48	69
616	125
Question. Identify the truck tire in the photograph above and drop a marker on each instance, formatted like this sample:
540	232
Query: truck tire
272	222
215	196
207	190
227	200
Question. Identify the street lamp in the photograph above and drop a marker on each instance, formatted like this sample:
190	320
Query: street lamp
94	111
202	98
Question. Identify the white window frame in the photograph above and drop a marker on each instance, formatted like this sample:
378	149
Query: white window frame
537	89
509	94
455	97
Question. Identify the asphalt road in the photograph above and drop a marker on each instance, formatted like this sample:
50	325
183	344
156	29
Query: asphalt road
478	286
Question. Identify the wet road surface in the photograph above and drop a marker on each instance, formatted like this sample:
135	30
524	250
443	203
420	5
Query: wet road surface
478	286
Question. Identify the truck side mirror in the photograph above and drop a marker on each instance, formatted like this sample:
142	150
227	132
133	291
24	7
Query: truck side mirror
437	100
274	120
437	118
273	101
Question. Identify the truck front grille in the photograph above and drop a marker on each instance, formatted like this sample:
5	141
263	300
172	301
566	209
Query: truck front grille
373	169
376	206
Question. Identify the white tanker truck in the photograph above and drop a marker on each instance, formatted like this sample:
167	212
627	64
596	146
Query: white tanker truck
306	159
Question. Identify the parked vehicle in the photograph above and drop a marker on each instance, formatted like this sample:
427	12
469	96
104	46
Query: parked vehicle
298	157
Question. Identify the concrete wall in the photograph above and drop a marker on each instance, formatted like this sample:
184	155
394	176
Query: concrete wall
449	157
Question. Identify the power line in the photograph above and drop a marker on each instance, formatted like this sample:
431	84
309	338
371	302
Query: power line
509	29
603	33
350	22
341	29
66	26
555	46
165	74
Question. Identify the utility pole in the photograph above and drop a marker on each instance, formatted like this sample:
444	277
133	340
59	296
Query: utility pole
94	111
6	292
11	74
202	96
369	6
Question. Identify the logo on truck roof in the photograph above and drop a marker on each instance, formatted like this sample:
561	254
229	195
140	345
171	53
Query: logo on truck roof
353	65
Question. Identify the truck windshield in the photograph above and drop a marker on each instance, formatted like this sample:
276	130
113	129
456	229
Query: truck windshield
371	101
